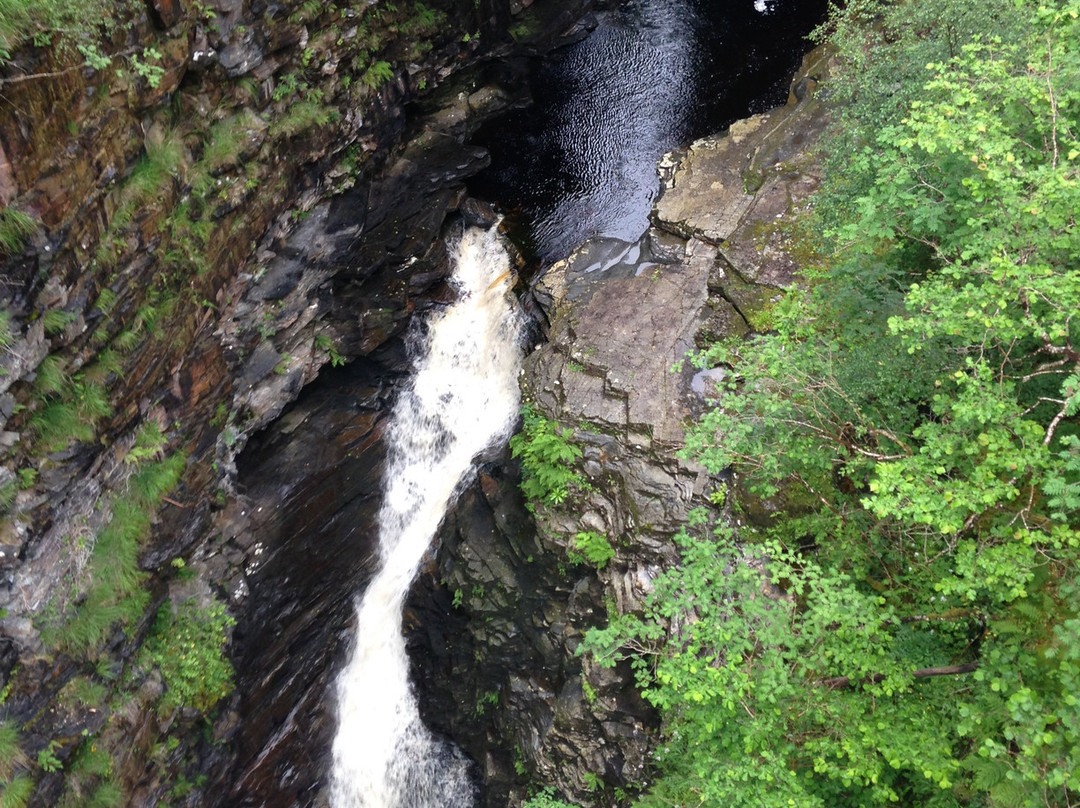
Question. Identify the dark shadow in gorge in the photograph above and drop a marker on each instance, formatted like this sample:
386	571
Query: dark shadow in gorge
315	475
318	470
655	74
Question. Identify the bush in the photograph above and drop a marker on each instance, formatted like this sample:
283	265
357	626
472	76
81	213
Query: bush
546	453
187	645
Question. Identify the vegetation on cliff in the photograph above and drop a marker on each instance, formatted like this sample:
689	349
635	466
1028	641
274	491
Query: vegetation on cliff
145	150
906	630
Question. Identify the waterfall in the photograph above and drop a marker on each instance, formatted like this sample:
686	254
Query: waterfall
462	399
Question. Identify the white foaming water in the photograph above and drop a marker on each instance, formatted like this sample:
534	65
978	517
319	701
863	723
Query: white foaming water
462	399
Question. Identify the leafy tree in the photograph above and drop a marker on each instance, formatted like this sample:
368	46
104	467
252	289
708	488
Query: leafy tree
906	630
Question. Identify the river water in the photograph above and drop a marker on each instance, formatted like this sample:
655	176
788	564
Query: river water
654	74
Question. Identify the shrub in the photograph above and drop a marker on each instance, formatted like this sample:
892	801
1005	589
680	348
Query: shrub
546	453
187	645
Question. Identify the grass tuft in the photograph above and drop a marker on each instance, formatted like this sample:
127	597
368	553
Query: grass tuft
56	321
15	228
16	794
116	593
300	117
11	755
52	376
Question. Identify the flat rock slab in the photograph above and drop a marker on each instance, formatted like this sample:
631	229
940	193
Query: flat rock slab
704	196
740	190
617	332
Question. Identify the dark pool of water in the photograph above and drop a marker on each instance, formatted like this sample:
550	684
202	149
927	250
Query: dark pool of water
580	161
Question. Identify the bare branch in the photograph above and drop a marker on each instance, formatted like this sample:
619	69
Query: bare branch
1053	100
837	682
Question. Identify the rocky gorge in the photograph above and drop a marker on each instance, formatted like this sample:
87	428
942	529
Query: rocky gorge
207	250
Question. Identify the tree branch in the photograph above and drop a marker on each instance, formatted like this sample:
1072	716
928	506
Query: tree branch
837	682
56	73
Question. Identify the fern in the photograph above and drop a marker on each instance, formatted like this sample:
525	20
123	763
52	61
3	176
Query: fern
1062	487
546	455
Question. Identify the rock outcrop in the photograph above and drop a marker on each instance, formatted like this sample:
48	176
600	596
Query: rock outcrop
185	249
621	320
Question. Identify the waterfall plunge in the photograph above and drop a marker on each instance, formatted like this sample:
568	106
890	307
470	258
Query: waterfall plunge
462	399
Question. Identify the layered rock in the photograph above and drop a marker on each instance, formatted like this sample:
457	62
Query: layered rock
621	320
206	241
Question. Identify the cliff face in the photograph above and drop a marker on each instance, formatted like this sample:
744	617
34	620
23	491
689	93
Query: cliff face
205	238
501	671
185	248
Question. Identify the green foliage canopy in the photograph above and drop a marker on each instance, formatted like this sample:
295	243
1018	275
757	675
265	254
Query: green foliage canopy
906	631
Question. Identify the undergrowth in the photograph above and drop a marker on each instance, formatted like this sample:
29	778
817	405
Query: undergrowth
115	593
546	455
187	646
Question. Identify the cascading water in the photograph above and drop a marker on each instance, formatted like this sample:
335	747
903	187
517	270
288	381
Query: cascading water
462	399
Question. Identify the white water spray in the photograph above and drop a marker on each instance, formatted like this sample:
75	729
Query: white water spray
463	398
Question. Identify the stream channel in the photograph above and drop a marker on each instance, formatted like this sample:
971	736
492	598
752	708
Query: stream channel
578	162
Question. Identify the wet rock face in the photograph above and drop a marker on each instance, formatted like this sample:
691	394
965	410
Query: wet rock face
316	474
504	677
294	221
